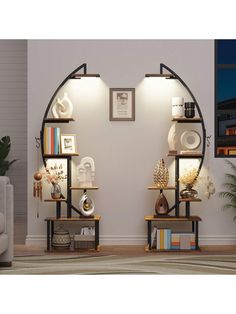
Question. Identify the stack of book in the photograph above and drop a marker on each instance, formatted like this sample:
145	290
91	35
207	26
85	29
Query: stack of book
183	241
51	141
163	239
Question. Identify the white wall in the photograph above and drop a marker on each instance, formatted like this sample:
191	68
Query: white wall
125	152
13	122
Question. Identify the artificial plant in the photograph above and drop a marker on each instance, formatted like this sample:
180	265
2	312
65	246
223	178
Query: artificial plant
5	146
230	185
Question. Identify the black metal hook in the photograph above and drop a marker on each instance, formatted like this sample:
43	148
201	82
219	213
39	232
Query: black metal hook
37	140
208	140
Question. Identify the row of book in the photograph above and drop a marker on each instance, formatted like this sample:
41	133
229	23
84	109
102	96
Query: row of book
52	138
165	239
230	131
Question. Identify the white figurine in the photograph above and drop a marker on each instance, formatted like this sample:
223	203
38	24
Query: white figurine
172	138
86	172
63	108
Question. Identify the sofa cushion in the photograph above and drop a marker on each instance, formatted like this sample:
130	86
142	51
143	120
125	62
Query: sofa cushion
2	223
3	242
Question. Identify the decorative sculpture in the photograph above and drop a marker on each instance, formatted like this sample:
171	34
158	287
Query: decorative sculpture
86	172
161	174
86	205
161	206
63	108
172	139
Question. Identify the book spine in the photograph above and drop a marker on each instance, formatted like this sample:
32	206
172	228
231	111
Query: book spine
52	140
55	150
45	140
165	239
169	239
158	240
49	141
162	239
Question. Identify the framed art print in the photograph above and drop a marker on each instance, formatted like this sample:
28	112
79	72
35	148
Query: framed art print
68	144
122	104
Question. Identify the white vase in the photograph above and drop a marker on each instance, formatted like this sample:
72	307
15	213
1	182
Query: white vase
177	107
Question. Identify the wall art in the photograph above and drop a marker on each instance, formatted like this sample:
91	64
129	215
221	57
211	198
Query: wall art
122	104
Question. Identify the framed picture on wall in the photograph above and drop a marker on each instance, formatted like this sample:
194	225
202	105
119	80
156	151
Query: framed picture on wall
122	104
68	144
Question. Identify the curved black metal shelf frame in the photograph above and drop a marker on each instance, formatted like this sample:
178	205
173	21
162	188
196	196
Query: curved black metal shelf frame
178	157
72	75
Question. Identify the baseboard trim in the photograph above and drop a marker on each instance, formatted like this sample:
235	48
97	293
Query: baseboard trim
138	240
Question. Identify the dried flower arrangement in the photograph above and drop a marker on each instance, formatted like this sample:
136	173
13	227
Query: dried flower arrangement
190	177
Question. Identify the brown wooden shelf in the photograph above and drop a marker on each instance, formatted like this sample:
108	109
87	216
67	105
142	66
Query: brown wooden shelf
84	188
186	155
55	200
58	120
190	200
172	218
159	75
59	155
187	120
95	217
78	76
154	187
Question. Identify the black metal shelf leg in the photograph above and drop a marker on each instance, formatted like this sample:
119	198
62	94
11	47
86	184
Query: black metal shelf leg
96	234
149	225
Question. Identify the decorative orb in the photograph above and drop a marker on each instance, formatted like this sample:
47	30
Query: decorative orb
38	176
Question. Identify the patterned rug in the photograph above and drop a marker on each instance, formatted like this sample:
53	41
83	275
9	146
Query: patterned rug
114	264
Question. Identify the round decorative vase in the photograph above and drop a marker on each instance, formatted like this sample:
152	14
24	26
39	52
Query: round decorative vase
188	192
61	238
161	174
56	191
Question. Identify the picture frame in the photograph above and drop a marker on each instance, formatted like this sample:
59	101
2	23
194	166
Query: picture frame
122	104
68	144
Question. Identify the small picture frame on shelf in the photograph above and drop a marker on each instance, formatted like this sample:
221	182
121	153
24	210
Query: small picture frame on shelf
68	144
122	104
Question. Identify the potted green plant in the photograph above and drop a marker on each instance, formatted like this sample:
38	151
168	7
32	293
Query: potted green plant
5	146
230	186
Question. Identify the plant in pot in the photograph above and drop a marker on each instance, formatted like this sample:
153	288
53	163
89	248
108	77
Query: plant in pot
5	146
230	186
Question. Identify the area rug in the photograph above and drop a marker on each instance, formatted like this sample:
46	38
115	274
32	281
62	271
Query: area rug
114	264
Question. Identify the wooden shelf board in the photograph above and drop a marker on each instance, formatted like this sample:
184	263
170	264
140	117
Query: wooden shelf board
172	218
159	75
55	200
84	188
186	155
154	187
77	76
96	217
59	155
58	120
176	250
187	120
190	200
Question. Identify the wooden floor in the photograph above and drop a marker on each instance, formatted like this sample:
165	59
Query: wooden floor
125	250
